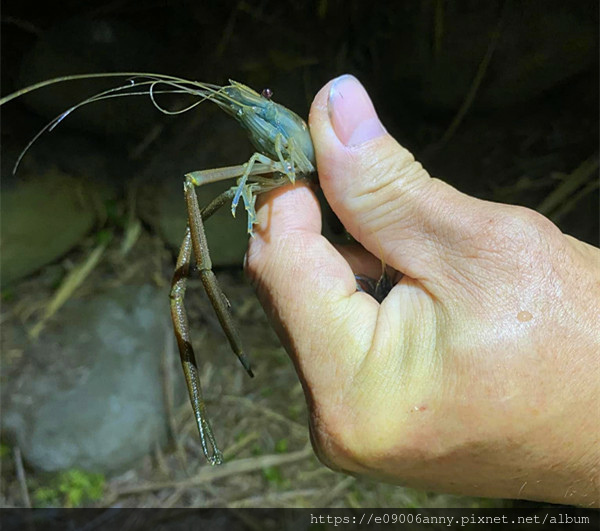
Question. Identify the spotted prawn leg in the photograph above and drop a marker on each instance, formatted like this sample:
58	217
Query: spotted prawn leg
186	352
195	240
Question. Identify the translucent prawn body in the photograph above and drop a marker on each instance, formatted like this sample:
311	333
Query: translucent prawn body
265	120
274	130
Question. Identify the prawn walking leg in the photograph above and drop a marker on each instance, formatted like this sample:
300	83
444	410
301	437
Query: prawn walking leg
209	281
258	164
290	171
195	240
186	352
284	152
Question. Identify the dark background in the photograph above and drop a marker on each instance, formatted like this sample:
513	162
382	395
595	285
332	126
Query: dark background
533	118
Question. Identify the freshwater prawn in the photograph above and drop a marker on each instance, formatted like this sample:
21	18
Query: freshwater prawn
284	153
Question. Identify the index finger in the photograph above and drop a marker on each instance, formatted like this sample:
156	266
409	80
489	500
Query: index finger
308	289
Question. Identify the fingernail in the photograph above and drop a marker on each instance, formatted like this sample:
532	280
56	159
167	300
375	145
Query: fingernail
352	113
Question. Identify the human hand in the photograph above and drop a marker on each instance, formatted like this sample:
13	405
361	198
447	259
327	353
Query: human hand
479	372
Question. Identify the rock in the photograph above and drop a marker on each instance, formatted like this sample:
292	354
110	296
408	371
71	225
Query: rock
43	216
89	394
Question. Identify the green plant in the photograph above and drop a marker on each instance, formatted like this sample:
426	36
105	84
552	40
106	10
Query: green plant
70	488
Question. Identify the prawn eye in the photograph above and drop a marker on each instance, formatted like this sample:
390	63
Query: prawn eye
267	93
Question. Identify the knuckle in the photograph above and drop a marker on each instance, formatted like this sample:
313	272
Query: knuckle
501	230
511	246
521	230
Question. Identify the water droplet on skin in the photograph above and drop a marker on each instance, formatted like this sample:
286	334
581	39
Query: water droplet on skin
524	316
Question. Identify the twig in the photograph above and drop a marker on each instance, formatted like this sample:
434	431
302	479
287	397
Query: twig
160	459
137	152
570	204
266	411
132	233
21	477
173	499
70	283
476	83
235	448
227	32
574	180
208	473
328	495
133	227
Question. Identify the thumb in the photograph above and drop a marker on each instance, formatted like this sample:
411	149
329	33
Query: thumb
384	198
